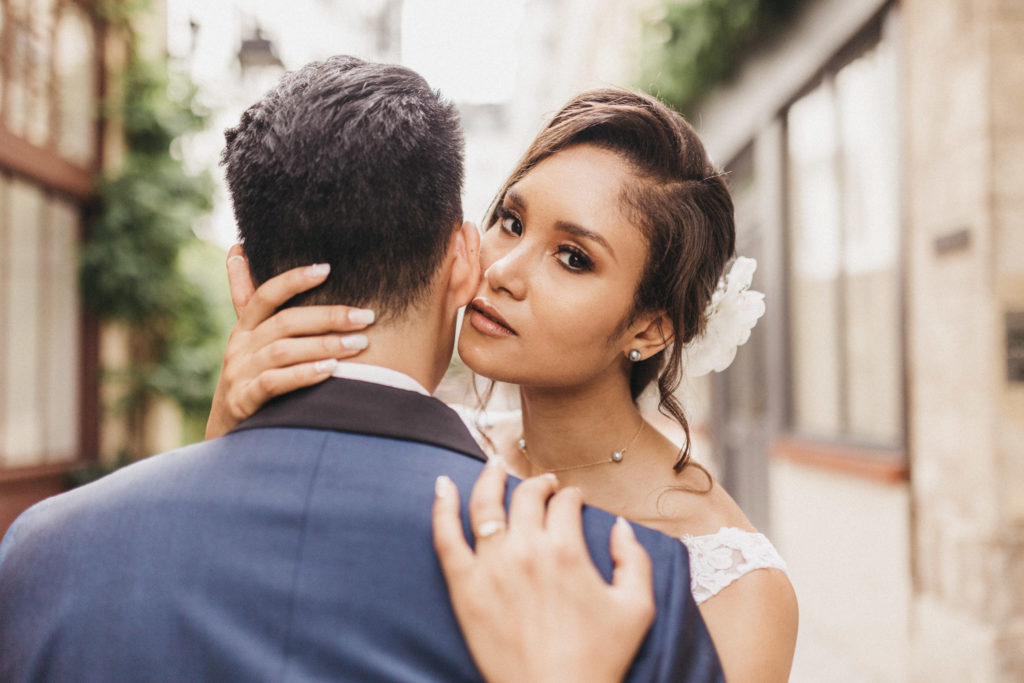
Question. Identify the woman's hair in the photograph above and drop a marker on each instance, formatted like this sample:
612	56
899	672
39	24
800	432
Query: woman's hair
679	201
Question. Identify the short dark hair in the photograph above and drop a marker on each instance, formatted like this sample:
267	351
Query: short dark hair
351	163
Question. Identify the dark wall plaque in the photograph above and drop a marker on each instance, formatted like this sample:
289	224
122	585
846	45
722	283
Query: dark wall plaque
1015	346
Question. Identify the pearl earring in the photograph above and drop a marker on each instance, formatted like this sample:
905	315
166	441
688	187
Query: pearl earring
634	355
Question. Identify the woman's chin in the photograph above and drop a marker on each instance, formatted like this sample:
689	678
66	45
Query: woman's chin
473	349
473	356
506	360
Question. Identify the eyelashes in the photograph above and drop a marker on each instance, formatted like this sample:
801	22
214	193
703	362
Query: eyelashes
575	260
508	221
569	256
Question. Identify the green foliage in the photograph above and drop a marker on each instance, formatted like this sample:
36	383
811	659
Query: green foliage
120	12
96	470
189	372
697	44
146	209
137	262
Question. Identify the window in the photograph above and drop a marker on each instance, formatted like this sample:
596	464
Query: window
842	155
76	87
49	90
40	318
49	101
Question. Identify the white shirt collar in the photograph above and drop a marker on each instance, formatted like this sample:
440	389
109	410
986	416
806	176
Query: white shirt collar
378	375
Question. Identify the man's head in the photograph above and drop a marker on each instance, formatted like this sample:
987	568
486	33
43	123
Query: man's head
354	164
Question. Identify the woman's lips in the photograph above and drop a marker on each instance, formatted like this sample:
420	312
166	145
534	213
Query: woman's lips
485	319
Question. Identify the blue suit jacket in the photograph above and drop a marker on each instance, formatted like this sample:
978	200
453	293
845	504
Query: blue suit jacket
296	548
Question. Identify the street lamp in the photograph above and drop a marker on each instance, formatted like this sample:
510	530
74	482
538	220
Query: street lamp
258	53
260	66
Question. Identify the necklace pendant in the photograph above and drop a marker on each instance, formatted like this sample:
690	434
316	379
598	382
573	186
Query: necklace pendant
616	456
522	444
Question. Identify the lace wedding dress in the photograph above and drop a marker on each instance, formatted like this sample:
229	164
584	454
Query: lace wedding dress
718	559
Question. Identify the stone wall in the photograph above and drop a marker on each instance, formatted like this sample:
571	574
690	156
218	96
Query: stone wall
964	171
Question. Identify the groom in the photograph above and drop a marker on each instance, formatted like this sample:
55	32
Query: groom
298	547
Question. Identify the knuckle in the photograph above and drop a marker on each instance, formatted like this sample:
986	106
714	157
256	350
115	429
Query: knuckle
259	297
229	373
532	485
266	384
339	318
474	609
283	323
530	490
523	557
277	352
573	494
563	553
545	484
305	372
478	507
525	489
236	409
235	345
645	609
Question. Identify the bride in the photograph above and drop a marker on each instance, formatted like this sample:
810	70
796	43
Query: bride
602	260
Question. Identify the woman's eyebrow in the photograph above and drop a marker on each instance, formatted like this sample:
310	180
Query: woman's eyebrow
584	233
517	200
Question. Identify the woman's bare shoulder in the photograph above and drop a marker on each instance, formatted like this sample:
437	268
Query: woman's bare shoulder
753	624
719	510
693	507
753	619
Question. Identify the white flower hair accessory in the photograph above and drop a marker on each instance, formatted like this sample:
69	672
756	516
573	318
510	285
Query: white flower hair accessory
731	315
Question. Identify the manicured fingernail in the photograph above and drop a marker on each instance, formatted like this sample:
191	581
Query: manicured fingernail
361	316
327	365
496	461
319	270
623	524
236	257
551	476
443	487
355	342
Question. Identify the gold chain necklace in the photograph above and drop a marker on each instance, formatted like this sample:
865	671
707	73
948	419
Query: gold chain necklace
615	457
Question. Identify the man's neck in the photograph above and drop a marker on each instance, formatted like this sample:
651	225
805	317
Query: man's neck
419	348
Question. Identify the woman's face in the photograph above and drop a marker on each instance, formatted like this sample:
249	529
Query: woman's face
561	266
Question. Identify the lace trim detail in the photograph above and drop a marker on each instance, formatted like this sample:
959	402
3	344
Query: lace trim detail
716	560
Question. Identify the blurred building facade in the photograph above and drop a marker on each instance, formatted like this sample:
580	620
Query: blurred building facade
875	157
60	392
54	56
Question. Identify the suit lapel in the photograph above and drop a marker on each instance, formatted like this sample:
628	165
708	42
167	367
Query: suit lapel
346	405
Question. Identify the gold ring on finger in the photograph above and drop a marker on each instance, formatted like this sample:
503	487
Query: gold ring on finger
490	527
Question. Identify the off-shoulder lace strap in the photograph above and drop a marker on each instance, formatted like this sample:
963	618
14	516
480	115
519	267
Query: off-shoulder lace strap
716	560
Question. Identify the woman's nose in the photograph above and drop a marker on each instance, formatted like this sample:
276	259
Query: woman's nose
508	272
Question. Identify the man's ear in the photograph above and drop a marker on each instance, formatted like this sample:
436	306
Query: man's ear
651	333
464	274
239	278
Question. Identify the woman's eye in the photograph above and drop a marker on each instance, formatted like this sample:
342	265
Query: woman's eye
574	260
511	224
